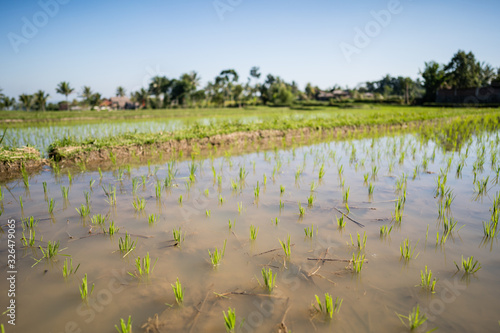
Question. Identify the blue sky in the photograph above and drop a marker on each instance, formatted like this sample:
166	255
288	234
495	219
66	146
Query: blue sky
105	44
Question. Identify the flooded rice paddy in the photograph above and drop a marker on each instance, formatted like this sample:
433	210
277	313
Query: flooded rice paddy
326	197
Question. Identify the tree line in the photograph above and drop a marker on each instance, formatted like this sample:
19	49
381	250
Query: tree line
226	89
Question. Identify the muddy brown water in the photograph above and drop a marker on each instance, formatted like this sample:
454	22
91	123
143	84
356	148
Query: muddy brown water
386	285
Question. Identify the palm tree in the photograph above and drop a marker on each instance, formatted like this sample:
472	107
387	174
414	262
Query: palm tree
142	97
159	86
120	91
64	89
27	101
41	99
86	94
8	102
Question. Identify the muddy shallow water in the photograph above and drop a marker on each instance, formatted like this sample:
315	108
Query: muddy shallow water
386	285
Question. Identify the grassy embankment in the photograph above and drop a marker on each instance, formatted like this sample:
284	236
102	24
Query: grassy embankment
272	119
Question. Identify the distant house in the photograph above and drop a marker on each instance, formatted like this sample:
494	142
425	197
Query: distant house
325	96
483	95
334	94
122	102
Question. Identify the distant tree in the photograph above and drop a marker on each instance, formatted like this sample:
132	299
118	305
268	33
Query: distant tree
120	91
159	87
434	76
463	71
8	102
142	97
86	94
1	94
94	100
27	101
487	75
254	72
63	88
310	91
41	99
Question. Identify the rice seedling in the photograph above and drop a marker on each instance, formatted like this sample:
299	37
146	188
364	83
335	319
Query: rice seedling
51	251
112	229
371	187
282	205
139	204
345	195
357	262
143	266
84	289
310	200
321	172
110	194
112	157
178	292
21	202
178	235
298	173
206	192
44	184
269	279
341	170
67	269
309	231
449	225
264	179
240	207
125	327
152	218
385	231
230	320
65	192
217	256
469	265
301	210
287	249
91	184
282	189
242	174
426	280
415	318
208	212
374	171
276	221
100	172
256	191
407	250
481	186
25	175
51	205
87	198
253	232
70	178
313	186
180	199
341	222
98	219
365	177
221	200
329	307
361	241
83	211
158	189
231	224
126	245
28	242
